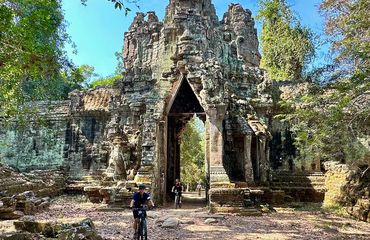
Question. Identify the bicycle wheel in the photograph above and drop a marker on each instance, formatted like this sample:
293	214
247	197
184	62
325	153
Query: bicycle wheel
140	230
144	230
176	201
142	233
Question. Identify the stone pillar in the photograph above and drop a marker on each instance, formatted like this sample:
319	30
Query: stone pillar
248	167
207	157
146	170
263	164
159	188
215	117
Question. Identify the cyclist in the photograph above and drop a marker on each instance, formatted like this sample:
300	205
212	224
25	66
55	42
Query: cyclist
177	187
140	198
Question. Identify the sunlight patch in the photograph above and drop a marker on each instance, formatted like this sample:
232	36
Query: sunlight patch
207	228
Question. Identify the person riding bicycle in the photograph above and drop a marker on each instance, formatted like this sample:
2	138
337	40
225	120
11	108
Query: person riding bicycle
178	188
140	198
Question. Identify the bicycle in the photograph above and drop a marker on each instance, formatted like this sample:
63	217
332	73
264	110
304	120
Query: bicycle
177	200
142	233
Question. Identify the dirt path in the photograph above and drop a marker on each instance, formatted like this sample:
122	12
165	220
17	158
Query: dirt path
286	223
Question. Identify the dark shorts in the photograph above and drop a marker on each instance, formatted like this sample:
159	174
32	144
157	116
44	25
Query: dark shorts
180	194
135	213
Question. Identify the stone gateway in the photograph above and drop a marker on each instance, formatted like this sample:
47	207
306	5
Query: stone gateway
189	63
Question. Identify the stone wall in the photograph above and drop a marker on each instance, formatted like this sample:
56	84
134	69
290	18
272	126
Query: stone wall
39	142
296	186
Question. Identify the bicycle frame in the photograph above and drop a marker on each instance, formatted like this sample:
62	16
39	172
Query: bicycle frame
142	231
177	200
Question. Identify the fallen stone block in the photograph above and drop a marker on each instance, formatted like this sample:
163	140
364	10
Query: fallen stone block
170	223
11	215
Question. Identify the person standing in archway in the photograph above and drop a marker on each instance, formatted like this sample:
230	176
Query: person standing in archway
199	188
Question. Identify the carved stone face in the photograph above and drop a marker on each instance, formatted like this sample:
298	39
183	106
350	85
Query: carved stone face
117	141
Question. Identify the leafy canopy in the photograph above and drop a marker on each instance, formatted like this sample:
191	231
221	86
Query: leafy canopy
105	82
32	39
119	4
331	122
286	46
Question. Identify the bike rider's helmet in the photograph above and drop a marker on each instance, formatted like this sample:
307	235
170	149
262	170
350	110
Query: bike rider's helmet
141	186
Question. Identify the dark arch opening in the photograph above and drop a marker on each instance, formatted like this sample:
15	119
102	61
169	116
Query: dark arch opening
183	108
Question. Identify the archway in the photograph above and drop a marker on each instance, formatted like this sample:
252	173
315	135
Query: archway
182	108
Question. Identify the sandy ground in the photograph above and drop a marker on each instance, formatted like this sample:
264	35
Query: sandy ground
285	223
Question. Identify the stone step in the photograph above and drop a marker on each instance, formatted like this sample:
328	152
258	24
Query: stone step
237	210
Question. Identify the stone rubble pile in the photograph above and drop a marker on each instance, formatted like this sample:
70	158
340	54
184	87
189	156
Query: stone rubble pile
46	230
43	183
20	204
27	193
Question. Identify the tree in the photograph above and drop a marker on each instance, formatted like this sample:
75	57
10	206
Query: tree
286	46
331	121
32	38
348	27
192	154
105	82
76	78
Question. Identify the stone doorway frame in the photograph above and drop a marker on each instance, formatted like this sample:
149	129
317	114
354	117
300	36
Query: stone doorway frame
163	145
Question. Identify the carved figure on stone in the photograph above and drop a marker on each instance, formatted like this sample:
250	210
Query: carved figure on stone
119	160
113	128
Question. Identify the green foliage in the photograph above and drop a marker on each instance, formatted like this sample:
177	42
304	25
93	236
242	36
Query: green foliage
192	154
119	4
348	25
32	38
322	127
105	82
76	78
286	46
331	120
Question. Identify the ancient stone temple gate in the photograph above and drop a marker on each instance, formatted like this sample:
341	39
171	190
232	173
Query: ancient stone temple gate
192	63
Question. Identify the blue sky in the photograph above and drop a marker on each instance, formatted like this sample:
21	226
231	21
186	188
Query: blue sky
97	29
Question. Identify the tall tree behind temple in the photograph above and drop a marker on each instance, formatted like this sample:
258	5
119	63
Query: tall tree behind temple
32	38
286	46
332	121
348	27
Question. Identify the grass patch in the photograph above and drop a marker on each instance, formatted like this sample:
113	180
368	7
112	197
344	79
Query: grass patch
337	210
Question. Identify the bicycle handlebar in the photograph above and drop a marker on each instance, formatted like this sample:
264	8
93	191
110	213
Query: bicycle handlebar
144	207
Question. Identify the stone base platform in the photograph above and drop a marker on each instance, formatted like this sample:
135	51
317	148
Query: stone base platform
242	211
232	200
110	208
